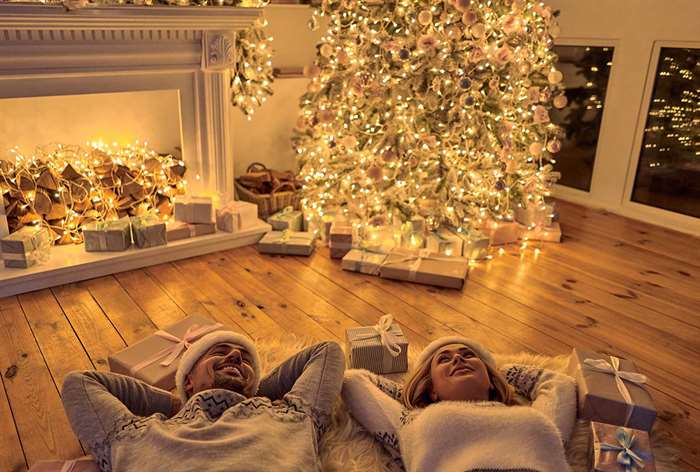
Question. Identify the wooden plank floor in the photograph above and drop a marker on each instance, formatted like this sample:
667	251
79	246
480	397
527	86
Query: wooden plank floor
614	285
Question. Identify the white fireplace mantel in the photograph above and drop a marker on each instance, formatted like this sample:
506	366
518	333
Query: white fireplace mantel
46	50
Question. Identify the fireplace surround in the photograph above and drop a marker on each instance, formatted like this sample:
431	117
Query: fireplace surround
46	50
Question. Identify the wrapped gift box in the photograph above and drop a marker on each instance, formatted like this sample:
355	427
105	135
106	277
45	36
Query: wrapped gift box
82	464
236	216
295	243
26	247
112	235
364	260
383	237
475	244
502	232
551	233
366	350
611	446
178	230
154	360
424	267
148	231
341	237
445	243
599	396
534	215
194	209
289	218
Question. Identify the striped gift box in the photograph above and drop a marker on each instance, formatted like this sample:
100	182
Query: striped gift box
367	352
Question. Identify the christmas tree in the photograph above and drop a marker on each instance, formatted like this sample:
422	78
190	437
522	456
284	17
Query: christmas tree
430	108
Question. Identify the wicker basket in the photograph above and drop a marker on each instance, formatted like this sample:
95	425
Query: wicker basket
282	196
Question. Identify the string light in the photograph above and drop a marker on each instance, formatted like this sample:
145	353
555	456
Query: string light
428	108
65	187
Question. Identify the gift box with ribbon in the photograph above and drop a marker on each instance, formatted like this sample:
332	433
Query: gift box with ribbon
103	236
289	218
425	267
444	242
148	231
551	233
155	359
502	232
177	230
82	464
534	215
382	348
26	247
620	449
365	261
610	390
193	209
293	243
341	237
236	216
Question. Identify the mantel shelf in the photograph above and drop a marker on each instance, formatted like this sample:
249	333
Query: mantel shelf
18	16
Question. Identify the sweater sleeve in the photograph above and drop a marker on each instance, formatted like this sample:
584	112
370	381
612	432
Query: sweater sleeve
373	401
315	375
96	401
551	393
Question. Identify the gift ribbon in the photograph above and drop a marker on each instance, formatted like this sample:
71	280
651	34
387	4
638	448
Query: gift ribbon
181	344
626	455
388	339
416	260
365	253
613	368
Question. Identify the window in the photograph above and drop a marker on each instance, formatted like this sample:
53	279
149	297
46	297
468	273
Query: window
586	73
668	173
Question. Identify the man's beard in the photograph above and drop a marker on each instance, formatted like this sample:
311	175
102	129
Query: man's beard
227	382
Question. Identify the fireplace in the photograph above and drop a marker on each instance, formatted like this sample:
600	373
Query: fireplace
180	54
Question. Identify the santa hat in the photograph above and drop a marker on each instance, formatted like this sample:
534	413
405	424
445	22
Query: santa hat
202	345
477	348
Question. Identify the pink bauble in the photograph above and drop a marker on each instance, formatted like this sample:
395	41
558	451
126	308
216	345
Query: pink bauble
425	17
560	101
375	173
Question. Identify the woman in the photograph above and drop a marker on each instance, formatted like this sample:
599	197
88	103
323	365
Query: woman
457	412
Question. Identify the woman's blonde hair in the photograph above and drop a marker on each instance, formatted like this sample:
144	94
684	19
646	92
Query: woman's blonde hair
416	391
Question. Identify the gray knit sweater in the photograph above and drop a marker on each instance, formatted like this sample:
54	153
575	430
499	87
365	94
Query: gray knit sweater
125	423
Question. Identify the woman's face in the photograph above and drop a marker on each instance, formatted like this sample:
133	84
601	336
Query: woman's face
224	365
458	374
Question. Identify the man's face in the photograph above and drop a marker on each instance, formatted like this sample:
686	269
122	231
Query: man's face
224	365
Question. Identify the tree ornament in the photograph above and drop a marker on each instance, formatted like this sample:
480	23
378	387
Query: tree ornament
462	5
470	17
425	17
427	42
554	146
478	30
326	50
555	76
405	54
536	148
560	101
465	83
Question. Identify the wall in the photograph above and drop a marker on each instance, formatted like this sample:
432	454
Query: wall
266	138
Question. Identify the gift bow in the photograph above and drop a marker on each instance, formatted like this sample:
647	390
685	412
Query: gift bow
613	368
383	329
626	456
181	344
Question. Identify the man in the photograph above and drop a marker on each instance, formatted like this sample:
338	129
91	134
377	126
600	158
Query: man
225	419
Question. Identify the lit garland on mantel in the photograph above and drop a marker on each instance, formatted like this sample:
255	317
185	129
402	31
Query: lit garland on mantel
251	75
437	108
67	186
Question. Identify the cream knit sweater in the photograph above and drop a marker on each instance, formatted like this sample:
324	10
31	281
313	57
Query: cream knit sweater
470	436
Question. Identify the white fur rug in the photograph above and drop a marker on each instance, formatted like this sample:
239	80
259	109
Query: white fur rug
347	448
